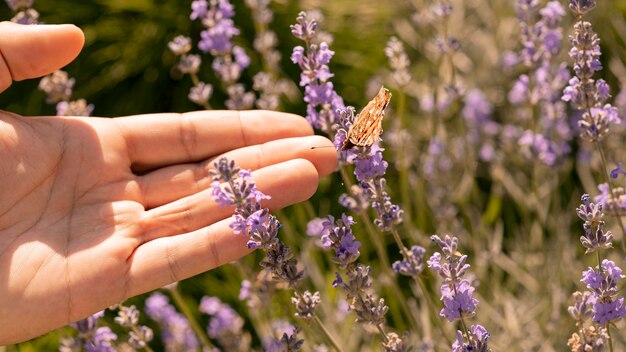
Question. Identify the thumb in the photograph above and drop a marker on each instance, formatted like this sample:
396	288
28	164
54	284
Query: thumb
30	51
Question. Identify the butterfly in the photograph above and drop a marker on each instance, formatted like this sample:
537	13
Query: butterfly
367	126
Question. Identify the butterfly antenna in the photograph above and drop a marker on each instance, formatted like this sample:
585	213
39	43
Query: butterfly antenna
325	146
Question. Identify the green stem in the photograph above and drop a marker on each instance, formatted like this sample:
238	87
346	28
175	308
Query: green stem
179	301
383	334
330	337
403	249
608	332
433	312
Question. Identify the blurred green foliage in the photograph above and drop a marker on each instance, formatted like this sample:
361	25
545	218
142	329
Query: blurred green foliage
125	67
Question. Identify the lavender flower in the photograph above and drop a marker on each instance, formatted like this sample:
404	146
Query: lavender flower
305	28
399	62
338	236
140	335
602	282
583	92
57	86
589	339
238	98
306	303
17	5
412	266
397	343
541	87
216	16
176	333
357	200
225	325
269	90
201	93
477	340
90	337
180	45
265	42
595	237
319	91
254	221
74	108
229	60
616	203
189	64
289	342
457	292
581	7
477	111
24	13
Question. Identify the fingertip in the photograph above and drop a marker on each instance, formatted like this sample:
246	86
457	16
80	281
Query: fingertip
31	51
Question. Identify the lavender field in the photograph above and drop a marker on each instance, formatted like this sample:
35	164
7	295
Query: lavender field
486	215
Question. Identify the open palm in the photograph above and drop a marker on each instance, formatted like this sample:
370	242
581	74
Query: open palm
93	211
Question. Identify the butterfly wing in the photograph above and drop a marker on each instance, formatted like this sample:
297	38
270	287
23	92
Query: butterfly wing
368	126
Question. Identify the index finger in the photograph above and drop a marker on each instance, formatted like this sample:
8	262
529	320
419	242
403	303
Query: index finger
159	140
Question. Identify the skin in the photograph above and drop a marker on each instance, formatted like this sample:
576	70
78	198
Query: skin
94	211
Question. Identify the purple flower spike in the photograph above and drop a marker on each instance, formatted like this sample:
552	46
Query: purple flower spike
176	333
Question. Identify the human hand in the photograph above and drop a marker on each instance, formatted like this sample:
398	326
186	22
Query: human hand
93	210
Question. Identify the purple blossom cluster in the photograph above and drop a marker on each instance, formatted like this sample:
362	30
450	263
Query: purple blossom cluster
175	331
612	199
588	337
364	303
306	303
584	92
541	87
189	64
595	238
457	293
58	87
477	339
602	302
225	325
23	10
602	282
412	266
91	337
319	93
229	60
234	186
357	284
337	235
139	335
269	87
399	63
477	111
288	342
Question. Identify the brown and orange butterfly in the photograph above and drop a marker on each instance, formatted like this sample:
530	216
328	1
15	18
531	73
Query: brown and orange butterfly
368	124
